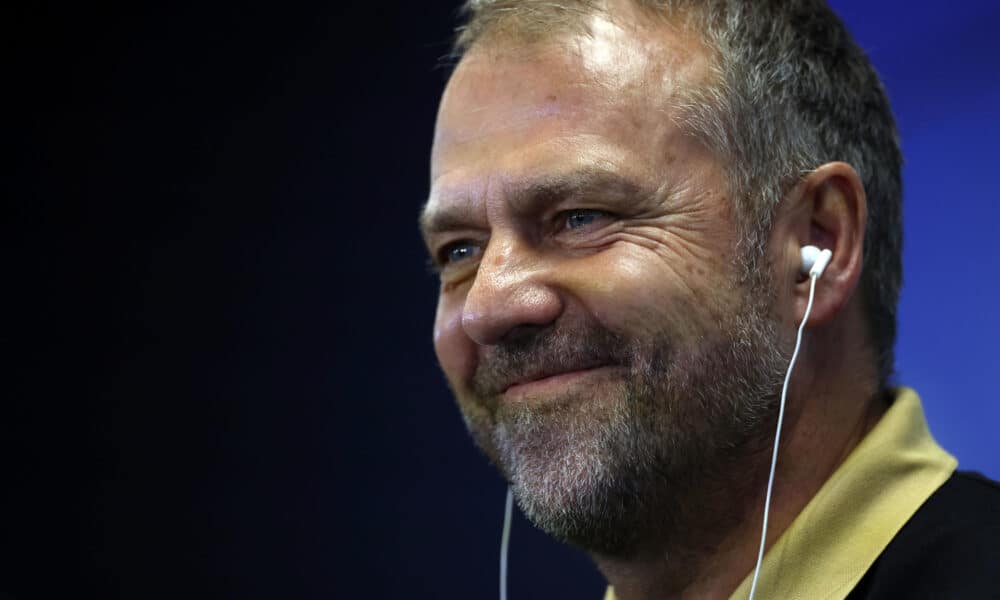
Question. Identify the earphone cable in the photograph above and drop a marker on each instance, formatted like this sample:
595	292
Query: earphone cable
777	435
505	543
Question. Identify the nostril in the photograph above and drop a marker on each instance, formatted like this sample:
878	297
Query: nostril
522	333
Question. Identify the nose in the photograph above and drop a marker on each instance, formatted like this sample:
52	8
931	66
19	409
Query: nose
513	292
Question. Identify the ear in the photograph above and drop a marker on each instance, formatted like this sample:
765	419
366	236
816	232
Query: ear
830	212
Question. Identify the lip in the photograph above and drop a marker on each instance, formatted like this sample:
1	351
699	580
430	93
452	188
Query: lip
554	382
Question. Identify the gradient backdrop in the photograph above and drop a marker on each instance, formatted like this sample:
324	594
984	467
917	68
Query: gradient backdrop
218	377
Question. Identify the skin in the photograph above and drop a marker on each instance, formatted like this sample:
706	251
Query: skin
640	239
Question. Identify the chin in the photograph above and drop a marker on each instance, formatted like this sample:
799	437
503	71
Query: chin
564	461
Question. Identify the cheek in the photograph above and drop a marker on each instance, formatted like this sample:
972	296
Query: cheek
633	294
456	352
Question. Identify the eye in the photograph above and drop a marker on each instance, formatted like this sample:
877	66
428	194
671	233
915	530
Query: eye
578	219
456	252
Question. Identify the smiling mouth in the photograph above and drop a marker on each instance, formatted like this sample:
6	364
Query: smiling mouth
554	382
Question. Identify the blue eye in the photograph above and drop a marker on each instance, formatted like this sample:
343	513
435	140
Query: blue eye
581	218
458	251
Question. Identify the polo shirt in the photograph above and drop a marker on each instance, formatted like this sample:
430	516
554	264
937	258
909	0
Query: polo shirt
843	539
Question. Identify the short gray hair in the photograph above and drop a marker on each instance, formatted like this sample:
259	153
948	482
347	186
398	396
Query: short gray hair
792	91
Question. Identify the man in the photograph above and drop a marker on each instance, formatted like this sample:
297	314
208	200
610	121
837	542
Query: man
619	194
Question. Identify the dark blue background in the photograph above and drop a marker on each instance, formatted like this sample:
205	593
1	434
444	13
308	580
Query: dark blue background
219	378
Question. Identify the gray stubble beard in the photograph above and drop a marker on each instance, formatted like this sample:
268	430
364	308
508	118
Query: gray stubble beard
657	459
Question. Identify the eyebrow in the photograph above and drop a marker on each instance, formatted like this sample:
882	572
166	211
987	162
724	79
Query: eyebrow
532	195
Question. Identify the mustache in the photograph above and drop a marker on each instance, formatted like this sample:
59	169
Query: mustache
532	355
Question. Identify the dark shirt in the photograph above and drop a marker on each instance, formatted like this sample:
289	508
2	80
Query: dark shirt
950	548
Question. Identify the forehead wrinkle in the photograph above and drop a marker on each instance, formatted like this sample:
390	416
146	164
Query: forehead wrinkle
524	106
603	36
605	64
649	71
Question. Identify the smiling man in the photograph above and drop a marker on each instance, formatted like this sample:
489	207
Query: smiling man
619	194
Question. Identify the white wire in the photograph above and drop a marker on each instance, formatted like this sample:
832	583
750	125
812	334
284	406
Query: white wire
505	543
777	434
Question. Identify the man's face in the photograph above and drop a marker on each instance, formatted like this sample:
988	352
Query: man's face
589	319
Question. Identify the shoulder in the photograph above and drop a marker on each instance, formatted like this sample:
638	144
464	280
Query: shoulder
950	548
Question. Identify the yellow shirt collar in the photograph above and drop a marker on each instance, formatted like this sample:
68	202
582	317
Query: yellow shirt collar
857	512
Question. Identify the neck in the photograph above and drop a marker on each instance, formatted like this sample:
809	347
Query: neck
691	555
829	411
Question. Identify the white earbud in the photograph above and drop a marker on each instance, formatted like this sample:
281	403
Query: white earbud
814	260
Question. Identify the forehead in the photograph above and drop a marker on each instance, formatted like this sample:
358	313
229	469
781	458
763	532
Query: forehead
603	95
